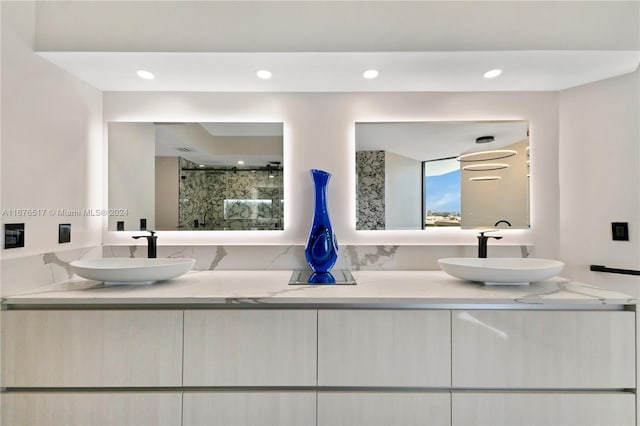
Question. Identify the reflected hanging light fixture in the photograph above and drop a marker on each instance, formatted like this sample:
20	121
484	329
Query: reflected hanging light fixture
484	178
485	139
491	155
486	167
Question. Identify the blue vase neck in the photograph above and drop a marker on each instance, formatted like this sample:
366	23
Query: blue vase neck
320	179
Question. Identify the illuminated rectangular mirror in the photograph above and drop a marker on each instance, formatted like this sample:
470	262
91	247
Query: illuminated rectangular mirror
419	175
195	176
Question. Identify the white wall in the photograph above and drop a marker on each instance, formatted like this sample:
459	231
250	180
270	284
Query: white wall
52	141
132	179
599	177
319	132
486	202
167	192
402	192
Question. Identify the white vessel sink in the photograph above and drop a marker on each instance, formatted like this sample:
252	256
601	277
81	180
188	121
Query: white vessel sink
131	270
501	271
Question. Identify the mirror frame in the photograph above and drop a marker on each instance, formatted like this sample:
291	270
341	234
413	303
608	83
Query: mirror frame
203	237
215	158
480	122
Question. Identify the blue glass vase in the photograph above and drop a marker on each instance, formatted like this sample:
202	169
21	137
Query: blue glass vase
322	247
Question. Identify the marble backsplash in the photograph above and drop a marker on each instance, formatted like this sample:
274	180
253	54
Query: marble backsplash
352	257
30	272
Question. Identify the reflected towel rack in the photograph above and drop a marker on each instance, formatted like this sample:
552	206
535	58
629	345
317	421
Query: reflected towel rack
600	268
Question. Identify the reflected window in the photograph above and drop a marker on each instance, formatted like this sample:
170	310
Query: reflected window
441	192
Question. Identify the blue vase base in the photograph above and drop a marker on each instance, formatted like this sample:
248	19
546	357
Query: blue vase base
337	277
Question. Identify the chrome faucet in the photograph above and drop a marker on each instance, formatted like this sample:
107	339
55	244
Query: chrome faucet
152	243
482	243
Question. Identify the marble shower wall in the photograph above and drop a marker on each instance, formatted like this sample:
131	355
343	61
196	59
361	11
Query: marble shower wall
227	199
370	181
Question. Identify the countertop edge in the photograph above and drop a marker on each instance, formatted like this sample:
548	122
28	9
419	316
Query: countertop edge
375	289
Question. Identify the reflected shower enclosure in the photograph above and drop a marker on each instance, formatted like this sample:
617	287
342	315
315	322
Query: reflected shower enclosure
196	176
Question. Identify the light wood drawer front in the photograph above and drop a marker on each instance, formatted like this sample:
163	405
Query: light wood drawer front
244	408
92	408
384	348
384	409
91	348
551	349
250	348
543	409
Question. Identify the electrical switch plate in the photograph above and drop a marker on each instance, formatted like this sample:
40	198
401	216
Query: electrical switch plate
64	233
143	224
13	235
120	225
620	231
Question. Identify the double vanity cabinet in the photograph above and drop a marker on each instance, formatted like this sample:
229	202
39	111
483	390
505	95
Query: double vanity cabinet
400	348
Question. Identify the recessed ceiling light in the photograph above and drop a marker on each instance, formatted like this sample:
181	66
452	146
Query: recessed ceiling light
492	73
369	74
240	162
264	74
145	74
271	176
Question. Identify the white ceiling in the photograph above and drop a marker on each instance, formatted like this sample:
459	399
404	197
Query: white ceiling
324	46
336	26
205	143
342	71
425	141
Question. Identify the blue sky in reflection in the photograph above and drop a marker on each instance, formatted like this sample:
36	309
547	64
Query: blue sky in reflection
442	192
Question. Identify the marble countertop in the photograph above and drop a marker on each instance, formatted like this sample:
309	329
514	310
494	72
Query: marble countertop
270	288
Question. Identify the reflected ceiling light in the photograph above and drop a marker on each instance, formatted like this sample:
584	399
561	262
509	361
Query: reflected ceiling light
145	74
240	162
486	167
271	176
482	178
370	74
264	74
201	166
492	73
495	154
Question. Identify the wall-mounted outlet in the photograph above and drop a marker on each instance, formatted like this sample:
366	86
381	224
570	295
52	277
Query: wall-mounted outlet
620	231
64	233
13	235
143	224
120	225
